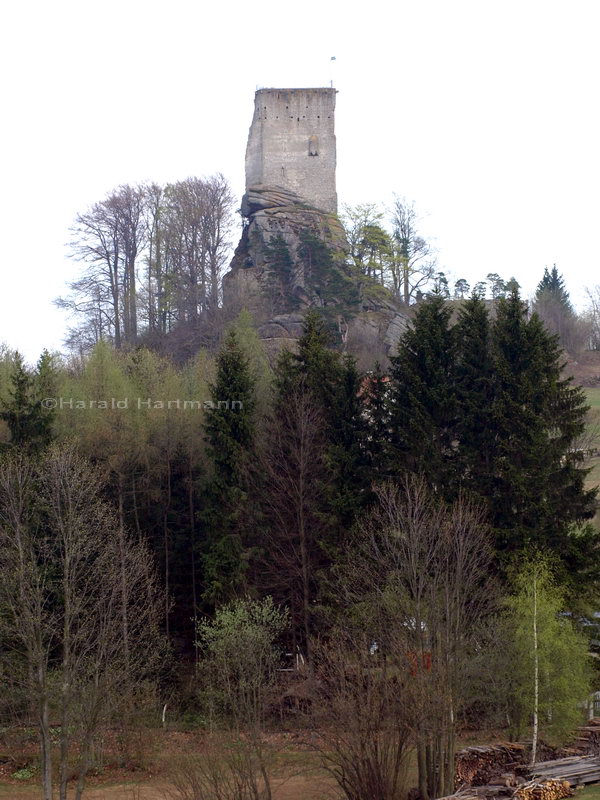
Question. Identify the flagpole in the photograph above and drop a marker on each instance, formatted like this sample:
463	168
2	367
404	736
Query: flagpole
331	70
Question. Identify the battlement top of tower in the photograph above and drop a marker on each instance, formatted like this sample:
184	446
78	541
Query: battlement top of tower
324	89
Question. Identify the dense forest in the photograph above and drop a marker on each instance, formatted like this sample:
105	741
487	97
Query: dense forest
187	530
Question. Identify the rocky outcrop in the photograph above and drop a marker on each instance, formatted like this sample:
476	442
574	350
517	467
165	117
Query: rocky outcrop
292	256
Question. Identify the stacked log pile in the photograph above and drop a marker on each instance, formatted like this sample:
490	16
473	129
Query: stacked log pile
481	792
588	738
532	790
500	772
544	790
577	770
476	765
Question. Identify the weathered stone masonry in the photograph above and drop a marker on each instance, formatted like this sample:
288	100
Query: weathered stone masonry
292	144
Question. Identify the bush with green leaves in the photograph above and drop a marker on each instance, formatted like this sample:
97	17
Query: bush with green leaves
241	655
24	774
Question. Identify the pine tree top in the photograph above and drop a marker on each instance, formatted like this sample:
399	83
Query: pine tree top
553	284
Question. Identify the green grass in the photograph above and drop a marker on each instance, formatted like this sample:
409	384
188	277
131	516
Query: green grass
591	792
593	397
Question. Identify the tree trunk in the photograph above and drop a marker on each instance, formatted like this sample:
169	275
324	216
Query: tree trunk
86	749
450	755
536	677
124	620
136	515
305	591
422	767
166	545
45	743
192	514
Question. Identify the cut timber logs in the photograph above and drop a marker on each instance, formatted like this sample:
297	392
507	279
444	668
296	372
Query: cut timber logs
476	765
544	790
533	790
588	737
576	770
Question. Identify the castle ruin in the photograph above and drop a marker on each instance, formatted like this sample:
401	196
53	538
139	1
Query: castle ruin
293	251
292	144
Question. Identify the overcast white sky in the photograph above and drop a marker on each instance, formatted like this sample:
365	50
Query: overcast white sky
484	113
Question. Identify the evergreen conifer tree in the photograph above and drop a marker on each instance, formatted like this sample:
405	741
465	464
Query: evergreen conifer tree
230	440
334	384
28	420
348	455
553	305
422	397
474	381
538	491
316	365
277	283
317	408
376	410
553	283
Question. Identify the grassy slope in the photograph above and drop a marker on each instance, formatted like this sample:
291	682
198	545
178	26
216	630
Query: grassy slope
593	398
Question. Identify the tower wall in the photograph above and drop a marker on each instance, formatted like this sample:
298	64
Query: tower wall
292	143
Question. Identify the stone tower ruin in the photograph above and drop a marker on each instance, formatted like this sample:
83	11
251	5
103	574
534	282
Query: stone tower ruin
293	250
292	144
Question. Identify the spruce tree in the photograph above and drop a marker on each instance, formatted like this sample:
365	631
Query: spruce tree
29	421
553	305
334	383
538	491
317	408
553	283
316	365
291	506
474	382
485	407
422	397
348	455
45	381
376	411
229	430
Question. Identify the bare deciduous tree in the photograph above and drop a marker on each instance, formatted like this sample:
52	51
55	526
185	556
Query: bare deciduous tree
225	771
414	263
81	604
422	566
591	318
364	711
108	240
152	257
